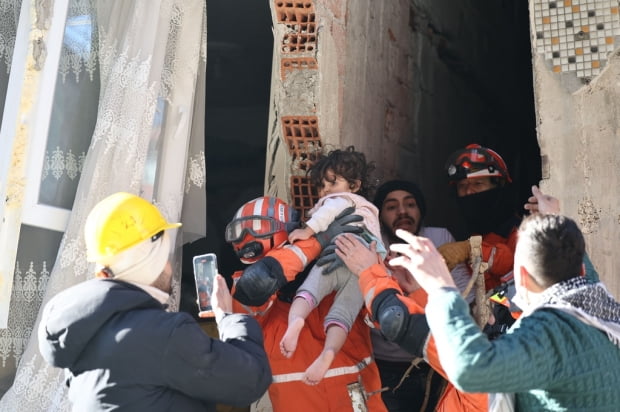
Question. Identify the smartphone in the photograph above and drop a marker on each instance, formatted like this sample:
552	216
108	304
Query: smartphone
205	269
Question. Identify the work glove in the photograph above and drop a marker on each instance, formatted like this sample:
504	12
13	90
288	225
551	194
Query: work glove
259	281
329	260
341	224
503	321
455	252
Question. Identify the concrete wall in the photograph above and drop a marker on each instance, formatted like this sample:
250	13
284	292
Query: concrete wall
407	82
423	78
578	132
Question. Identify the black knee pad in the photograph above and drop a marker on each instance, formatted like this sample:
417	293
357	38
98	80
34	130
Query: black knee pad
408	330
392	321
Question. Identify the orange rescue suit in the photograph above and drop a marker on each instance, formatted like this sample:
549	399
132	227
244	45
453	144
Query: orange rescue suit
377	285
352	363
499	252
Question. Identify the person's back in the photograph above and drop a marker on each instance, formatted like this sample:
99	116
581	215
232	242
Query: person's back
584	373
119	347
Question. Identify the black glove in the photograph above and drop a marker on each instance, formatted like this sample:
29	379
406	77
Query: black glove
503	321
329	260
259	281
341	224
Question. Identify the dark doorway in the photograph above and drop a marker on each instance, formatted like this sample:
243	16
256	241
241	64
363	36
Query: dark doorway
481	92
239	54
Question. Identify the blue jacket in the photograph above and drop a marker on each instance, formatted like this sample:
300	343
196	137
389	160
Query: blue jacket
122	351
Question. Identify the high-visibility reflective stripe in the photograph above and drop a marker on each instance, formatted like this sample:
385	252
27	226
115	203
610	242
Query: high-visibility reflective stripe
302	257
370	295
256	313
258	208
345	370
492	257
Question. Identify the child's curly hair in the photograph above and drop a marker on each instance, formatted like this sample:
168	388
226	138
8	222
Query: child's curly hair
347	163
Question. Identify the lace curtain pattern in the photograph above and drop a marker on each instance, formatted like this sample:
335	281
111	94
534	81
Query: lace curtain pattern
9	16
149	62
60	163
32	273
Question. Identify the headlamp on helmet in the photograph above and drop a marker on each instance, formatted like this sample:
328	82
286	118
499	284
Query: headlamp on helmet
476	161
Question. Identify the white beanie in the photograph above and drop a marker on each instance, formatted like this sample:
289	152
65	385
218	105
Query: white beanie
142	263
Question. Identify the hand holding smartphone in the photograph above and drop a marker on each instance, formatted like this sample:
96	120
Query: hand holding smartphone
205	269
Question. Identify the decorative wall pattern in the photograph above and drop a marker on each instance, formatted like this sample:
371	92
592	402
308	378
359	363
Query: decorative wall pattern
576	36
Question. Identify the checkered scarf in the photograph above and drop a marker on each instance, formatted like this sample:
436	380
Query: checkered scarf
589	302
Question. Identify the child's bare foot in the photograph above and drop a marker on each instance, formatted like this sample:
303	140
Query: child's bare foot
319	367
288	344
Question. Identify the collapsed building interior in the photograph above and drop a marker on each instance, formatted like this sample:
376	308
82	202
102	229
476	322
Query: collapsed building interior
491	69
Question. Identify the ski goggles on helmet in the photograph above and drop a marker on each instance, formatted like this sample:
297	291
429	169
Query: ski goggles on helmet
256	226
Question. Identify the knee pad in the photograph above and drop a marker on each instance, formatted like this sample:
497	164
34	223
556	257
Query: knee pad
392	320
408	330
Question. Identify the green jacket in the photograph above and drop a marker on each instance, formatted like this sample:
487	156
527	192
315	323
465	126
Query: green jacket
551	360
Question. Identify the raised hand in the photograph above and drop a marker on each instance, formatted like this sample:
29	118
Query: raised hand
420	257
542	203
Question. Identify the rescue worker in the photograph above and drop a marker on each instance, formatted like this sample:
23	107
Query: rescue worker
258	233
483	189
402	205
401	317
120	348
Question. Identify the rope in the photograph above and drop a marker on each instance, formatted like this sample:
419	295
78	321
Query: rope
482	312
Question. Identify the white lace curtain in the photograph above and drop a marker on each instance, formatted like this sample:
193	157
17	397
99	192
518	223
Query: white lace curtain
9	16
143	78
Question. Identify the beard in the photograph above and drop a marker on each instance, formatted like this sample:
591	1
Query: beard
403	222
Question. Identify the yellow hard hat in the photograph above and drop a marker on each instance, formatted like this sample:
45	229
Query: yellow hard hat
118	222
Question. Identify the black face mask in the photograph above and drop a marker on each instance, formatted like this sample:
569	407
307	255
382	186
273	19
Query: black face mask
485	212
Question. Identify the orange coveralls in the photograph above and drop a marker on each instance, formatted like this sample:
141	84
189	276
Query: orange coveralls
378	286
352	363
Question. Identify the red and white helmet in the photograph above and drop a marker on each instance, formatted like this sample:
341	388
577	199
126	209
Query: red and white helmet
476	161
259	226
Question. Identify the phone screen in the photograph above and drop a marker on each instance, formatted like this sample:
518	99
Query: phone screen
205	269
